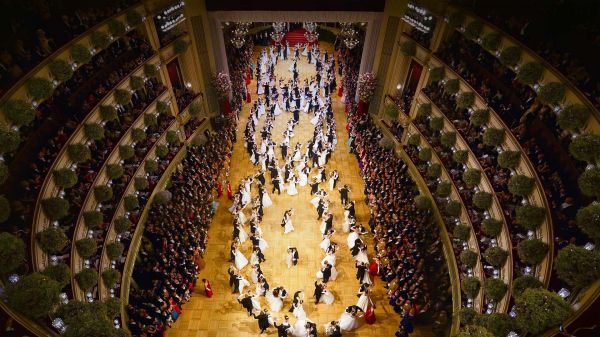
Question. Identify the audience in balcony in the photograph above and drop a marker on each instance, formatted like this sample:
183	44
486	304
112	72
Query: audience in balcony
175	238
183	96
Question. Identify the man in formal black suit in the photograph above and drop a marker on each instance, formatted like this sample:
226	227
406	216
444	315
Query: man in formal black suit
329	223
296	299
320	209
344	194
263	320
326	270
296	115
246	301
276	185
232	277
284	150
334	329
314	186
318	291
284	327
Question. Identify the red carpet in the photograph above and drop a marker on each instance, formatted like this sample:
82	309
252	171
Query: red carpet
296	36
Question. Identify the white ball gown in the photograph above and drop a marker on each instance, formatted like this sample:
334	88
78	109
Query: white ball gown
327	297
325	243
348	322
291	189
240	260
255	302
362	257
262	244
243	236
288	227
242	284
303	178
266	200
275	303
363	302
352	239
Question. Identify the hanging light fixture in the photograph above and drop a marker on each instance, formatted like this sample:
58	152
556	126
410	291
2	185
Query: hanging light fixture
239	33
310	26
238	41
311	37
279	27
277	36
351	40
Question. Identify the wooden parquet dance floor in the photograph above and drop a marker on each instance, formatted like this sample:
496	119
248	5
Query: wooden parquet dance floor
222	315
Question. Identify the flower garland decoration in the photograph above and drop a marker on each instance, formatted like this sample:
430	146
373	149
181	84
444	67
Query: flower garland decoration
222	85
366	86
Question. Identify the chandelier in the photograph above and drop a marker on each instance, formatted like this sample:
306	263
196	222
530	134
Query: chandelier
349	37
310	26
238	41
311	36
279	27
277	36
346	29
239	33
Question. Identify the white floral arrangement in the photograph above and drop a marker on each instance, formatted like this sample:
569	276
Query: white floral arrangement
366	86
222	85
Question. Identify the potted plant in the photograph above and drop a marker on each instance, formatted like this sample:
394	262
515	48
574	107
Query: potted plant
140	184
436	74
60	70
448	139
539	310
493	137
150	120
482	200
114	250
116	28
86	247
111	277
19	112
530	217
425	154
491	227
467	315
108	113
80	54
453	208
510	56
114	171
134	18
122	225
391	111
9	140
79	153
64	178
532	252
103	193
55	208
86	279
34	296
39	88
588	220
474	29
93	219
500	324
468	258
130	203
100	39
444	189
59	272
472	177
126	152
573	117
495	289
577	266
137	134
480	117
172	137
462	232
424	111
150	70
521	185
136	83
465	100
161	151
552	93
12	253
530	73
491	41
451	87
423	202
194	109
460	156
151	166
162	107
525	282
496	256
589	182
436	123
52	240
93	131
471	286
122	97
509	159
586	147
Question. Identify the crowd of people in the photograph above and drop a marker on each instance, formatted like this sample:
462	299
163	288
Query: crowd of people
175	238
33	30
408	250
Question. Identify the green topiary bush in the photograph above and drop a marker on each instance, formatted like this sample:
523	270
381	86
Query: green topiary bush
491	227
530	73
539	310
425	154
100	39
471	286
140	183
64	178
475	330
79	153
472	176
467	315
55	208
136	83
162	107
111	277
60	70
444	189
453	208
34	296
12	253
462	232
586	147
468	258
18	112
93	219
436	74
59	272
113	307
423	202
577	266
500	324
116	28
195	108
161	150
150	70
86	247
172	137
180	46
122	96
525	282
573	117
86	279
114	171
495	289
434	170
521	185
495	256
456	19
151	166
448	139
39	88
436	123
9	140
509	159
122	225
552	93
451	86
414	139
589	182
510	56
480	117
424	110
150	120
4	209
52	240
108	113
80	54
93	131
473	29
137	134
493	137
530	217
408	48
460	156
114	250
134	18
588	219
532	252
126	152
130	202
465	100
482	200
491	41
103	193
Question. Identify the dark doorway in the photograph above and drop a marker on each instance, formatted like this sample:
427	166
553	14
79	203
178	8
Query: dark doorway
414	74
175	73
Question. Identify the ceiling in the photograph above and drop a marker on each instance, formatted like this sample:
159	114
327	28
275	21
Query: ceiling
303	5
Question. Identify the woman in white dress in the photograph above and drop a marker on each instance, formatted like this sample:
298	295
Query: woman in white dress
330	258
243	236
326	240
254	259
298	311
254	273
364	300
288	227
297	155
275	302
242	284
240	260
303	176
323	157
352	237
318	196
290	257
326	296
255	302
262	243
277	111
332	178
348	222
349	321
291	189
260	287
362	256
266	200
